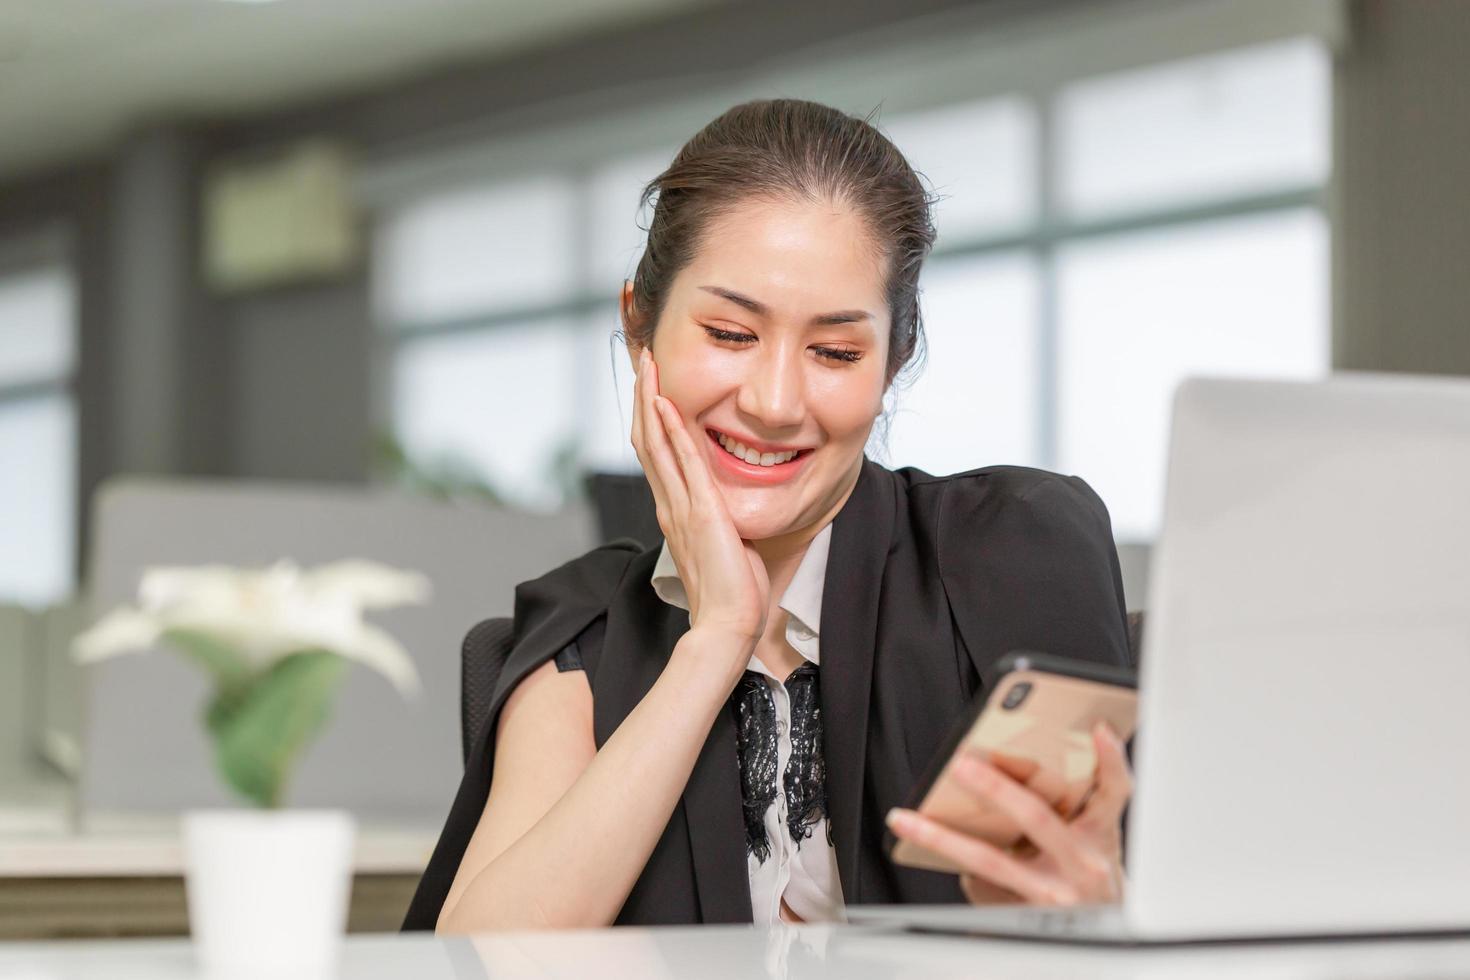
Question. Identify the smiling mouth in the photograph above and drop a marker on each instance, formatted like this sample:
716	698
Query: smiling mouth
753	456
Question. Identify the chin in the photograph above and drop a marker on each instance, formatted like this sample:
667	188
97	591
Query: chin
757	516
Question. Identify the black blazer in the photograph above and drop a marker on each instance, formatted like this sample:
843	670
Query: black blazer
930	580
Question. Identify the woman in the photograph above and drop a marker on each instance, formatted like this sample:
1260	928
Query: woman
721	729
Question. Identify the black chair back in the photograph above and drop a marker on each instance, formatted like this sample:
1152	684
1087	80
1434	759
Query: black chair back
1135	637
625	509
483	654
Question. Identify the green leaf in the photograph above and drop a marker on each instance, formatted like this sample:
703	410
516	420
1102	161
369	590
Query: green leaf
261	727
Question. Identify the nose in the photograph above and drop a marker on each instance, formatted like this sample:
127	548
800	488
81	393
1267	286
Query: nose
773	394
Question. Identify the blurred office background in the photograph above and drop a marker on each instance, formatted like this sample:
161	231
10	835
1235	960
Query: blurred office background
316	278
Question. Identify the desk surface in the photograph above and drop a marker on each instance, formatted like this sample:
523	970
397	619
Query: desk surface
789	953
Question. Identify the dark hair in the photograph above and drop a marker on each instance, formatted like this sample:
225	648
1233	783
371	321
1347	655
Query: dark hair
787	148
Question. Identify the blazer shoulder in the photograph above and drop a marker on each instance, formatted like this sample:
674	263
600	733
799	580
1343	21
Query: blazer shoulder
573	594
1028	563
1004	494
591	577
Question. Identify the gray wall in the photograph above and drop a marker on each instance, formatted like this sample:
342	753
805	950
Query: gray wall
300	402
1402	240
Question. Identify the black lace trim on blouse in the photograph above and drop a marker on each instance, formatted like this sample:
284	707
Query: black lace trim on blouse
755	729
805	780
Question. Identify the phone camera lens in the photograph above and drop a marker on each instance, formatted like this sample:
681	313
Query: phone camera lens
1016	695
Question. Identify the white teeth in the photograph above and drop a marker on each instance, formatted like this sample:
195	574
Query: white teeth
754	457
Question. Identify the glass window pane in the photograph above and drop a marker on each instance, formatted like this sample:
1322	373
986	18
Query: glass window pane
980	157
37	499
37	326
499	403
616	233
1246	297
474	251
976	401
1245	121
607	391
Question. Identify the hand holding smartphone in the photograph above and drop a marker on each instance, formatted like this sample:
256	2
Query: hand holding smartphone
1036	725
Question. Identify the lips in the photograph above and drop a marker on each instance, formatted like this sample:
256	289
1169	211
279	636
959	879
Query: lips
755	461
756	454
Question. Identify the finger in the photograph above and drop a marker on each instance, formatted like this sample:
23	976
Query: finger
1018	767
982	892
656	444
637	426
641	444
1036	818
1114	777
636	435
980	859
696	471
1046	783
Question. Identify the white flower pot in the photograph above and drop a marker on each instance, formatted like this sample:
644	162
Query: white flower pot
268	890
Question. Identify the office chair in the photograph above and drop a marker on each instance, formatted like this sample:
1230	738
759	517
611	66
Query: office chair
1135	637
624	506
483	654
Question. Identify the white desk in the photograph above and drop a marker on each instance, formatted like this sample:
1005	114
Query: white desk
720	952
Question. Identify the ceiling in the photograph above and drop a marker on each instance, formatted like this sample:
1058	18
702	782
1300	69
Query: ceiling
76	74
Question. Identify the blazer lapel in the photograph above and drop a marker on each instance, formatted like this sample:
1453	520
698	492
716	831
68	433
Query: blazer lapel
641	633
862	534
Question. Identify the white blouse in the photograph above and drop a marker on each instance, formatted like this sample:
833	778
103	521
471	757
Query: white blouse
803	872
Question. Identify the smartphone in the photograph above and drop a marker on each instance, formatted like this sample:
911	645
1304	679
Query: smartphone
1035	724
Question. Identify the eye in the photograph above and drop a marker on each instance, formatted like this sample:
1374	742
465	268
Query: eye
840	354
730	336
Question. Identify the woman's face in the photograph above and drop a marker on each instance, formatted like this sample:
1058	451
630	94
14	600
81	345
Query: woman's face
773	345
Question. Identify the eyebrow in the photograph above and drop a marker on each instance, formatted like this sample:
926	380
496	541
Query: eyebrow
760	309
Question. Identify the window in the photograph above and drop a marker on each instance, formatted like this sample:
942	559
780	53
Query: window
501	316
500	402
1238	123
1099	238
38	426
980	159
1177	228
974	400
1242	296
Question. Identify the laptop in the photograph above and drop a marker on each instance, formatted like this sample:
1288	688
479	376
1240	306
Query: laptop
1302	761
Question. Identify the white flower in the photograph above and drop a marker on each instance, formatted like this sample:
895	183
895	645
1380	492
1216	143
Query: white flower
266	614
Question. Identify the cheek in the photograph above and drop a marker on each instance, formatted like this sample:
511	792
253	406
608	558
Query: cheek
846	410
694	379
